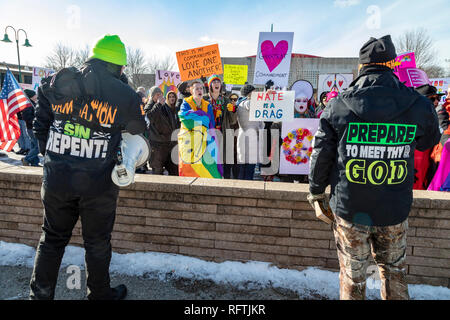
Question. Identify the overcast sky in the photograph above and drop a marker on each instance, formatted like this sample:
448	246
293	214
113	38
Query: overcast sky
329	28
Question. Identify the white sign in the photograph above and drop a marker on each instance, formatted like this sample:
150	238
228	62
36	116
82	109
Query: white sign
333	82
273	59
441	84
38	75
272	106
296	147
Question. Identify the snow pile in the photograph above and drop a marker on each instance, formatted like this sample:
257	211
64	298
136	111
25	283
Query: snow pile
250	275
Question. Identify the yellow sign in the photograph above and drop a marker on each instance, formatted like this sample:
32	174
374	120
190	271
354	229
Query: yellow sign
198	62
235	74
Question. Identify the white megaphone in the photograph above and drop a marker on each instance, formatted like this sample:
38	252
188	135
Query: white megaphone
134	153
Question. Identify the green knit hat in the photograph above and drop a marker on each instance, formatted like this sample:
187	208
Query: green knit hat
110	49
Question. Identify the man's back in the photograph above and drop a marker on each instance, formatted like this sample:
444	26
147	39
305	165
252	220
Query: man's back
376	124
82	143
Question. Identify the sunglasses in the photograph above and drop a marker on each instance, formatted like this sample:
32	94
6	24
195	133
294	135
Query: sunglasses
434	98
233	99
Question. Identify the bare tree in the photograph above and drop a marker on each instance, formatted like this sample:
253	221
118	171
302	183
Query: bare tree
81	56
64	56
61	57
435	71
136	68
419	41
165	63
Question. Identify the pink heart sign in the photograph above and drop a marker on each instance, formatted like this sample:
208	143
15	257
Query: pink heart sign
274	55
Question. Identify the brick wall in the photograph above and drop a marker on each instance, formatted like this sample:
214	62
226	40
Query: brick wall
237	220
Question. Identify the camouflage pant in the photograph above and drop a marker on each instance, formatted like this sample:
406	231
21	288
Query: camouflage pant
387	245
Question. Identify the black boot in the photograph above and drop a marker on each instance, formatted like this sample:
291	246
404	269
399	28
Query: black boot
120	292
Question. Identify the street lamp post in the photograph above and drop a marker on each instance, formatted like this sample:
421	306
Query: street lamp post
26	44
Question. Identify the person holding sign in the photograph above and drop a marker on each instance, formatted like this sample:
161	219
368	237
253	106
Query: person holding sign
225	116
247	142
197	143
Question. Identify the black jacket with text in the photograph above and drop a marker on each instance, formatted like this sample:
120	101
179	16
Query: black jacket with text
364	148
78	125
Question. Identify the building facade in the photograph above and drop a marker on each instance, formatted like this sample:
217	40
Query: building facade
303	67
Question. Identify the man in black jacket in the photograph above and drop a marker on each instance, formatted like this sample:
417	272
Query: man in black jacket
78	124
364	148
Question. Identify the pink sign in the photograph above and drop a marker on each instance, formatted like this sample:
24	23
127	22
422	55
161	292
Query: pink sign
413	77
406	60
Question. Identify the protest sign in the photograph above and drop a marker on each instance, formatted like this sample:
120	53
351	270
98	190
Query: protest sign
273	106
405	60
412	77
229	87
38	75
273	59
27	86
441	84
167	80
333	82
235	74
198	62
296	149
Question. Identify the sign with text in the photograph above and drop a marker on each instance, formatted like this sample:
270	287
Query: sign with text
272	106
27	86
296	148
235	74
273	59
198	62
38	75
413	77
167	80
441	84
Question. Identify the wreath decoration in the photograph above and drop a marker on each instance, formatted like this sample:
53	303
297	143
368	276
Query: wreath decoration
300	152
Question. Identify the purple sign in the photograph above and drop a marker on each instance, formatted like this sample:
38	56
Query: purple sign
412	77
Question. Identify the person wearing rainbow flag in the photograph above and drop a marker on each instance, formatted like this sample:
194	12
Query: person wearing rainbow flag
197	142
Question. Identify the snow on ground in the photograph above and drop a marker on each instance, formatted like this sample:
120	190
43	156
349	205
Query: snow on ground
249	275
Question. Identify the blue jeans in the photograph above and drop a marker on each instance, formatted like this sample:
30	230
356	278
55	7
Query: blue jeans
24	140
32	156
246	171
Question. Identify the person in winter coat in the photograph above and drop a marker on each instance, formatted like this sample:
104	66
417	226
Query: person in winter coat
430	92
248	146
31	159
234	174
79	120
323	103
198	145
24	141
163	122
225	118
183	93
364	148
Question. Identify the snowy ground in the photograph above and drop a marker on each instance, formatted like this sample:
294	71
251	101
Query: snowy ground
181	277
247	280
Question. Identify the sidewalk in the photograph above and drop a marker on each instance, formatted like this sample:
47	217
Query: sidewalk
14	285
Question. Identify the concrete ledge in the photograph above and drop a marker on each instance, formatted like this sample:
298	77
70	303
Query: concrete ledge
222	220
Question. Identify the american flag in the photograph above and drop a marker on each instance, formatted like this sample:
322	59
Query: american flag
12	100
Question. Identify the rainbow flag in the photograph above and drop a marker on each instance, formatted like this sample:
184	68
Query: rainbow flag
197	144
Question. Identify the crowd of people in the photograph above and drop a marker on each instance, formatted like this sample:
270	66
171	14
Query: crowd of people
367	148
228	110
223	110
